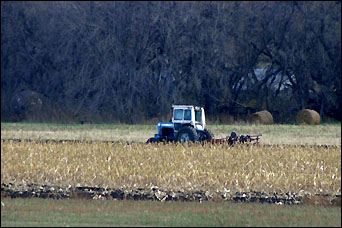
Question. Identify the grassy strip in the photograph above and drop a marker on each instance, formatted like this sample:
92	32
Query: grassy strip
48	212
325	134
97	132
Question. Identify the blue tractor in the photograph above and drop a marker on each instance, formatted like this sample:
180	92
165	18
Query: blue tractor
187	124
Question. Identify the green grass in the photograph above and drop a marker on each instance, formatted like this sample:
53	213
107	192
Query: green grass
324	134
49	212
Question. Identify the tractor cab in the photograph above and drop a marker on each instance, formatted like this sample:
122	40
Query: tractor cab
188	115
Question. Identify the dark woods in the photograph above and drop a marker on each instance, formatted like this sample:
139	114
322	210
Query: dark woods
130	61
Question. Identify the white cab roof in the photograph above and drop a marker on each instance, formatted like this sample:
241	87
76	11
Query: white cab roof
186	107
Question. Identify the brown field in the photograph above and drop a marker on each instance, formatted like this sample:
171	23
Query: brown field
213	171
211	168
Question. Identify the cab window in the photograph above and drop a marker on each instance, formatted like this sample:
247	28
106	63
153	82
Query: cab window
198	116
178	114
187	115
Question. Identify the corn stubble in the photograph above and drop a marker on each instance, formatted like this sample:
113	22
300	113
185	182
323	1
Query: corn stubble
174	166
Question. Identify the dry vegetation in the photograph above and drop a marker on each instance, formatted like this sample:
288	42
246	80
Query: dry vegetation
209	168
262	117
308	116
290	163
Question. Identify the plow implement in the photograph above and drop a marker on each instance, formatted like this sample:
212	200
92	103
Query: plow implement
235	139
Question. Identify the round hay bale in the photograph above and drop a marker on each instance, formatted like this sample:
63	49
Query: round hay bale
308	116
262	117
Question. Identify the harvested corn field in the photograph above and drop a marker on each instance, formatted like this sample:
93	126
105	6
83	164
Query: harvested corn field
210	171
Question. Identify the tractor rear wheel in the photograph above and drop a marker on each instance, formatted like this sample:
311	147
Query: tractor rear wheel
186	134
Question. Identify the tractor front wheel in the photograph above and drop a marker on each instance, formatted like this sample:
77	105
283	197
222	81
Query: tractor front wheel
186	134
152	140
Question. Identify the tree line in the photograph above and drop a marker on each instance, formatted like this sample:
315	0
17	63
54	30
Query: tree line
130	61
